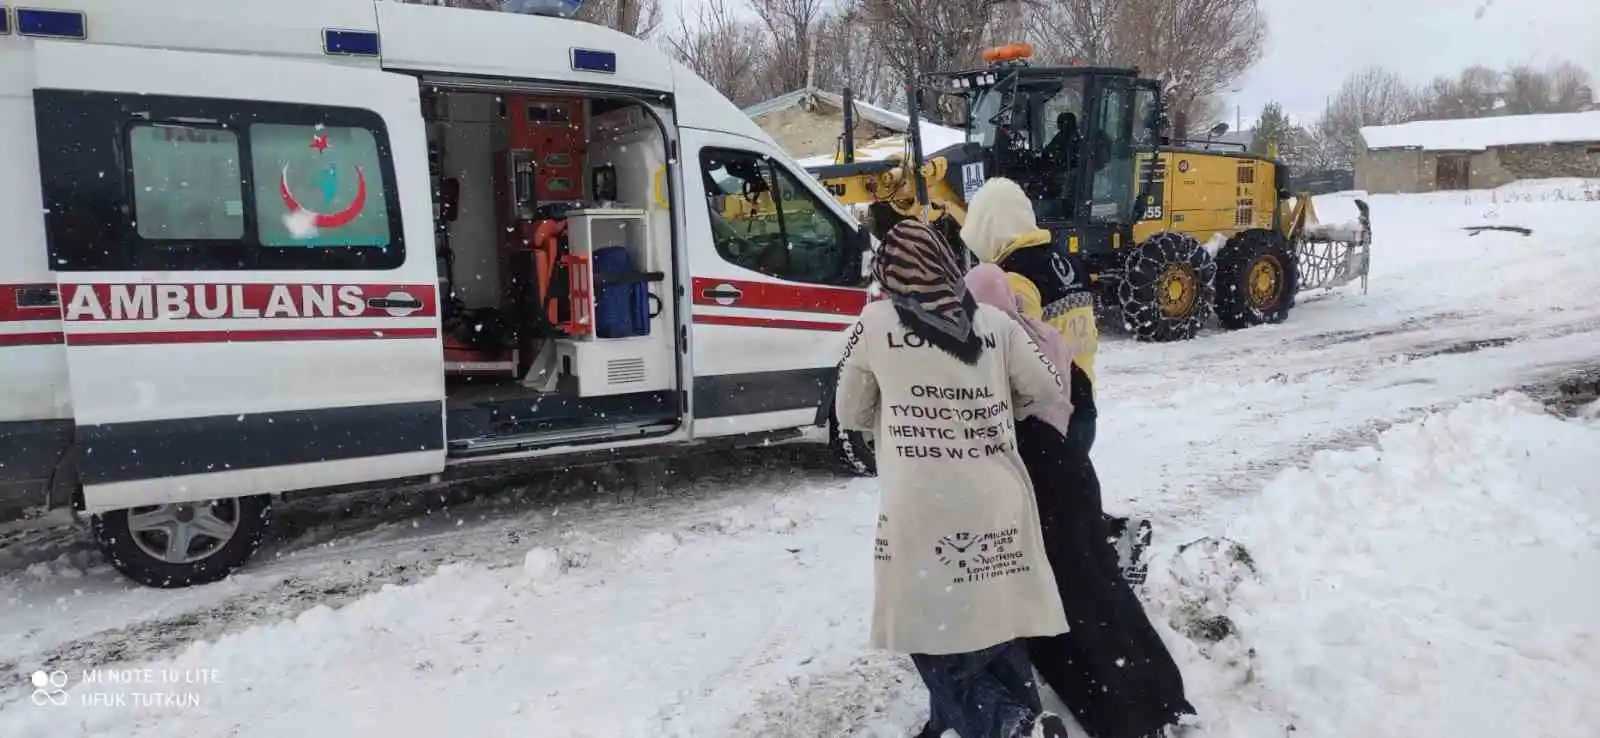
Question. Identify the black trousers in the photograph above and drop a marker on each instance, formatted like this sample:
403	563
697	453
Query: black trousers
1111	669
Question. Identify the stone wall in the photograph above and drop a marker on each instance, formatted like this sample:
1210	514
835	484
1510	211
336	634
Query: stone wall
1414	170
1390	171
1551	160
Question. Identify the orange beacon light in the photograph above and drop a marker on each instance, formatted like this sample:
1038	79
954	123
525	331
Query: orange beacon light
1007	52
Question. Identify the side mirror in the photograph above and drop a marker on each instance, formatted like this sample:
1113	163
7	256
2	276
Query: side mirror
862	239
449	199
1219	129
857	255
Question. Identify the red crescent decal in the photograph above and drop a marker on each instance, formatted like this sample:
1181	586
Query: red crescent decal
334	220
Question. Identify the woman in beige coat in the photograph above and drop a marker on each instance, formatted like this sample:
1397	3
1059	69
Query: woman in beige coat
961	572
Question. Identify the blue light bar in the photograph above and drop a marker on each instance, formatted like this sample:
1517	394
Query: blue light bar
590	60
5	20
352	43
52	23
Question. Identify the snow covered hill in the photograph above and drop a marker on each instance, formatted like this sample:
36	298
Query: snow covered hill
1420	546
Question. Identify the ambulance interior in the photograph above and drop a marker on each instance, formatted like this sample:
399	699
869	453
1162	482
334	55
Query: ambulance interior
554	238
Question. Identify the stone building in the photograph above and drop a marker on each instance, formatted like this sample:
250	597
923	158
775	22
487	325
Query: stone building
1477	153
809	123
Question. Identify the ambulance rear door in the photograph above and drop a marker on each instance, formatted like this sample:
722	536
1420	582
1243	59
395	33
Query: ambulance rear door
244	260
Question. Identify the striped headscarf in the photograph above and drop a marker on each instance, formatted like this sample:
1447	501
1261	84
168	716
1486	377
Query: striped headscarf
920	273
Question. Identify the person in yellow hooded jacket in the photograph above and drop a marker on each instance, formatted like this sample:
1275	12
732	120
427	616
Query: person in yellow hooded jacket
1111	668
1051	284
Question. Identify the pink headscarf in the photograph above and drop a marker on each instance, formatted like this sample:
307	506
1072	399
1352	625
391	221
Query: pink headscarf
988	285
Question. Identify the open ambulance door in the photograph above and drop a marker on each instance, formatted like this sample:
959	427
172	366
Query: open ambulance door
246	274
777	283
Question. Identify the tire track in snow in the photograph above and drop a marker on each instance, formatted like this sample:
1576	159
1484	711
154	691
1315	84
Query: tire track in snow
308	564
1399	388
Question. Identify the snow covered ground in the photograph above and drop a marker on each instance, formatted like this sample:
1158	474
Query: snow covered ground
1424	548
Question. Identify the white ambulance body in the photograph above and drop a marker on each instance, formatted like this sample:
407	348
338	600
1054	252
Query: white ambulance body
260	247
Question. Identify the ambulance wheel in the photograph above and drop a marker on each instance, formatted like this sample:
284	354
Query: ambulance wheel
1256	279
853	449
183	544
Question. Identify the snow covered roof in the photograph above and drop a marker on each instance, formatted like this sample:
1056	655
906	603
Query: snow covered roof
1477	134
934	136
884	148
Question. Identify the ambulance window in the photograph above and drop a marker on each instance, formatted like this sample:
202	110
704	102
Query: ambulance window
797	239
186	183
135	182
318	186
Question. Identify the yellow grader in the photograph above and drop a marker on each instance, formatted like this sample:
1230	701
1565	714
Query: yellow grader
1169	231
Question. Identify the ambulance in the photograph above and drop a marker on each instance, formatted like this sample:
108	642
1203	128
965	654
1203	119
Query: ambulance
255	248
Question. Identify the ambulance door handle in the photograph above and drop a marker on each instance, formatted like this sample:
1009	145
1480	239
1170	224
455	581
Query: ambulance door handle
722	292
404	303
38	297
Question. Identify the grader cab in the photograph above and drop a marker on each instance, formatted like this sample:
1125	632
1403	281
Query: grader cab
1171	232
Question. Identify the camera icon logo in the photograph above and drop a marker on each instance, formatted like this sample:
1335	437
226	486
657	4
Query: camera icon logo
49	688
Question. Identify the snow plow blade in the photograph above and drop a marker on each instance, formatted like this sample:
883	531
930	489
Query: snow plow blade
1331	254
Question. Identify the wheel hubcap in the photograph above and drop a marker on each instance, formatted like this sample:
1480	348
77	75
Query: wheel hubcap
1264	281
186	532
1177	291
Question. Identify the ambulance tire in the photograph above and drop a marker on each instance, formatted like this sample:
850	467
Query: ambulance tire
853	449
251	517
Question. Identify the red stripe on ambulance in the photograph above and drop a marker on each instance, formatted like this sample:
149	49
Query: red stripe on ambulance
47	338
118	302
788	297
20	302
743	321
133	338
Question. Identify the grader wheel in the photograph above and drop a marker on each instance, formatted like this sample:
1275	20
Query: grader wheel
1257	279
1167	288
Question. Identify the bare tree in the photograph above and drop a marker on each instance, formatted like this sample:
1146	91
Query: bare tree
921	36
1198	47
1373	96
847	55
727	52
793	25
1474	92
1527	90
638	18
1066	30
1570	87
1204	111
1478	91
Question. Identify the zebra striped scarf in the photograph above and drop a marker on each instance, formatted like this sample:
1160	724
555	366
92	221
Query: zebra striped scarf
924	280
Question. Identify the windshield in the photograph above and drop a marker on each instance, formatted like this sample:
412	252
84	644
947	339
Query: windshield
1112	191
1064	109
1146	116
1036	113
982	124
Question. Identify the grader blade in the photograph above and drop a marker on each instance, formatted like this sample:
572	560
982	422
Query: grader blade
1334	254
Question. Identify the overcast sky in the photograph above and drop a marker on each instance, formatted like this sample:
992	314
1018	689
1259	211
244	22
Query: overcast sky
1314	44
